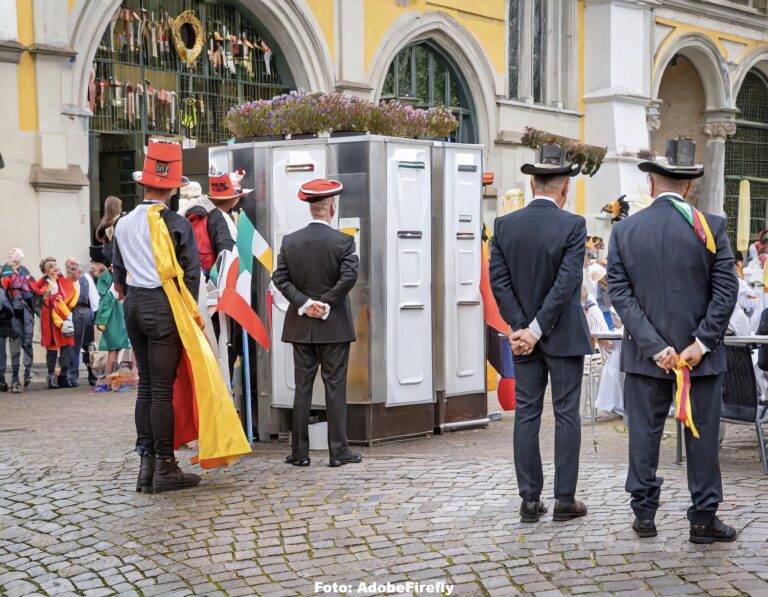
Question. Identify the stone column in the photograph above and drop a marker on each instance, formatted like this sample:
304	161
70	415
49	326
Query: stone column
350	67
712	195
617	60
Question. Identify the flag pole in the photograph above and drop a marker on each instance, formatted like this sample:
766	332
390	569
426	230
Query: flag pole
247	388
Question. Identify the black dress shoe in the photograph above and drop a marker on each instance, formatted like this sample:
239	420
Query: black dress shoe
531	510
296	461
715	531
645	527
353	458
568	510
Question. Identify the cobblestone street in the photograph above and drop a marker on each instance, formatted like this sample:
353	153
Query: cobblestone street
442	509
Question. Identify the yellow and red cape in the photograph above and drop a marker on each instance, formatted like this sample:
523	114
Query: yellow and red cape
202	405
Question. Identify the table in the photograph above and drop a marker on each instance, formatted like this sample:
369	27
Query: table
753	342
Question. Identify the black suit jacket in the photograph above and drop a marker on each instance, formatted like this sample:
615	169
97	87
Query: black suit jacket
537	263
668	289
318	263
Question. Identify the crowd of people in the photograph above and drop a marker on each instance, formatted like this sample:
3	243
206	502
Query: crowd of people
73	303
69	304
669	279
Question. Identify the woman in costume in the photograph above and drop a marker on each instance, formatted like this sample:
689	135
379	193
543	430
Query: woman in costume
181	395
110	318
56	327
105	232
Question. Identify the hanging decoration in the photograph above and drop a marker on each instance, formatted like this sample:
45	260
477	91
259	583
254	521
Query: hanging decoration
161	75
588	157
189	55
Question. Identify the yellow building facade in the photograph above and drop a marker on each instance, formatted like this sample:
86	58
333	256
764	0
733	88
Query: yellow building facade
622	74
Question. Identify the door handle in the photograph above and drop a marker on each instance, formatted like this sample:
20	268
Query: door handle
300	168
412	307
468	303
412	165
467	168
409	234
465	236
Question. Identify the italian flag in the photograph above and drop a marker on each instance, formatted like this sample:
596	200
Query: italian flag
236	276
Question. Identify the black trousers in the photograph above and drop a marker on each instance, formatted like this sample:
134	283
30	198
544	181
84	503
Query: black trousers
647	401
333	360
82	317
530	384
157	346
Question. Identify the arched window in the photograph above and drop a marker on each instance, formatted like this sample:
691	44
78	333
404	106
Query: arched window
541	52
745	154
423	76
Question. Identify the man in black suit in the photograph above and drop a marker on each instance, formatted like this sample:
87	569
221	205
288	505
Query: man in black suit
672	281
316	269
536	269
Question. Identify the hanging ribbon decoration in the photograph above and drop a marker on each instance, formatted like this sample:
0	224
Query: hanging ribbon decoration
189	116
683	412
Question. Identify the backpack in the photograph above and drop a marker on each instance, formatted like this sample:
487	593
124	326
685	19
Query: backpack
203	238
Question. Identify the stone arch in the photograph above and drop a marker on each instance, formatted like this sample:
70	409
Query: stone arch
709	63
290	22
756	59
456	41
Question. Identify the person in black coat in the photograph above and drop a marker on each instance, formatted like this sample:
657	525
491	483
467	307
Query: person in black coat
672	281
536	267
316	269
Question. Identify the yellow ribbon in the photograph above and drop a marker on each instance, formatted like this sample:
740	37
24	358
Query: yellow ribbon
683	411
221	435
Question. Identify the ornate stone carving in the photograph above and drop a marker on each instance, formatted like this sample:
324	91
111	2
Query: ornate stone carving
719	130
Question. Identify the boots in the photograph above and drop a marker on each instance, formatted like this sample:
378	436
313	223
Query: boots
146	473
169	477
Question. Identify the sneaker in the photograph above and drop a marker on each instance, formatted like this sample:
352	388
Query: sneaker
17	388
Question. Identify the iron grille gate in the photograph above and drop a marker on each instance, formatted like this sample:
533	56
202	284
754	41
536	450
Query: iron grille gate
745	156
139	85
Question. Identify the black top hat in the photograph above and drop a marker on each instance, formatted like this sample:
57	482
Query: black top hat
552	160
678	161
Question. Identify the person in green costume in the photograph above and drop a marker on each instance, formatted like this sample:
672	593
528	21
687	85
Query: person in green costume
110	319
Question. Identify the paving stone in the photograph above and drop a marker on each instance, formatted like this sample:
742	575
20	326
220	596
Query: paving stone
441	509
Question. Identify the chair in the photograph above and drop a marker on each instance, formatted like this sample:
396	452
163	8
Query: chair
741	405
593	370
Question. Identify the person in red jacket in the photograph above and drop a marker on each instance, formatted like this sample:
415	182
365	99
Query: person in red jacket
57	329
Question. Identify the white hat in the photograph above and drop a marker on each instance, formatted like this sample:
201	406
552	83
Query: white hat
192	191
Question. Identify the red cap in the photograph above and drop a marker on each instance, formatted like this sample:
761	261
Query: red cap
162	166
318	189
221	187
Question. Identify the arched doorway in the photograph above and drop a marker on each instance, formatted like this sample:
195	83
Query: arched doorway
423	76
745	154
682	101
140	87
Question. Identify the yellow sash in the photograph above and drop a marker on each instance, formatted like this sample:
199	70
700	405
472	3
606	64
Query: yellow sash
221	435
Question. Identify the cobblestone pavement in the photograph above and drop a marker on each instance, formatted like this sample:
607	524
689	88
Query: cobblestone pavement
439	509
